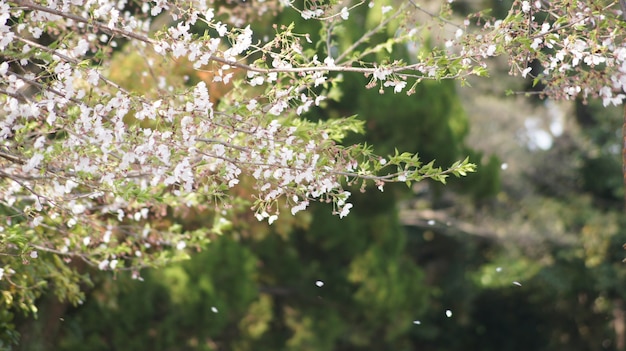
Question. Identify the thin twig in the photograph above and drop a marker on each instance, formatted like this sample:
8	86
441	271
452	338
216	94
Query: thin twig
432	15
369	34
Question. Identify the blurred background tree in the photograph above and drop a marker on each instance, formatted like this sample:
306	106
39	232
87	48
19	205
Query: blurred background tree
523	255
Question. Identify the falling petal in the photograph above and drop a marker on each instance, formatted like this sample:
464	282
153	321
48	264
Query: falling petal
499	269
504	166
448	313
431	222
417	322
214	309
319	283
517	283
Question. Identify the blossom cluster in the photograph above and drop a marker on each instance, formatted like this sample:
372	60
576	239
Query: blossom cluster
90	166
578	46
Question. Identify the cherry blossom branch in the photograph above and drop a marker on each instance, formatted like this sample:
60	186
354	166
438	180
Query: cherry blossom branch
17	96
42	87
101	26
247	67
12	158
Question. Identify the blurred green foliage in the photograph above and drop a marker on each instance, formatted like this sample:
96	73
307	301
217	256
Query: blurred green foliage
316	282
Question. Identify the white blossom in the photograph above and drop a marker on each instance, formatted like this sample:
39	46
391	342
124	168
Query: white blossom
33	162
252	104
104	264
345	210
308	14
344	13
209	14
271	219
221	29
381	73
